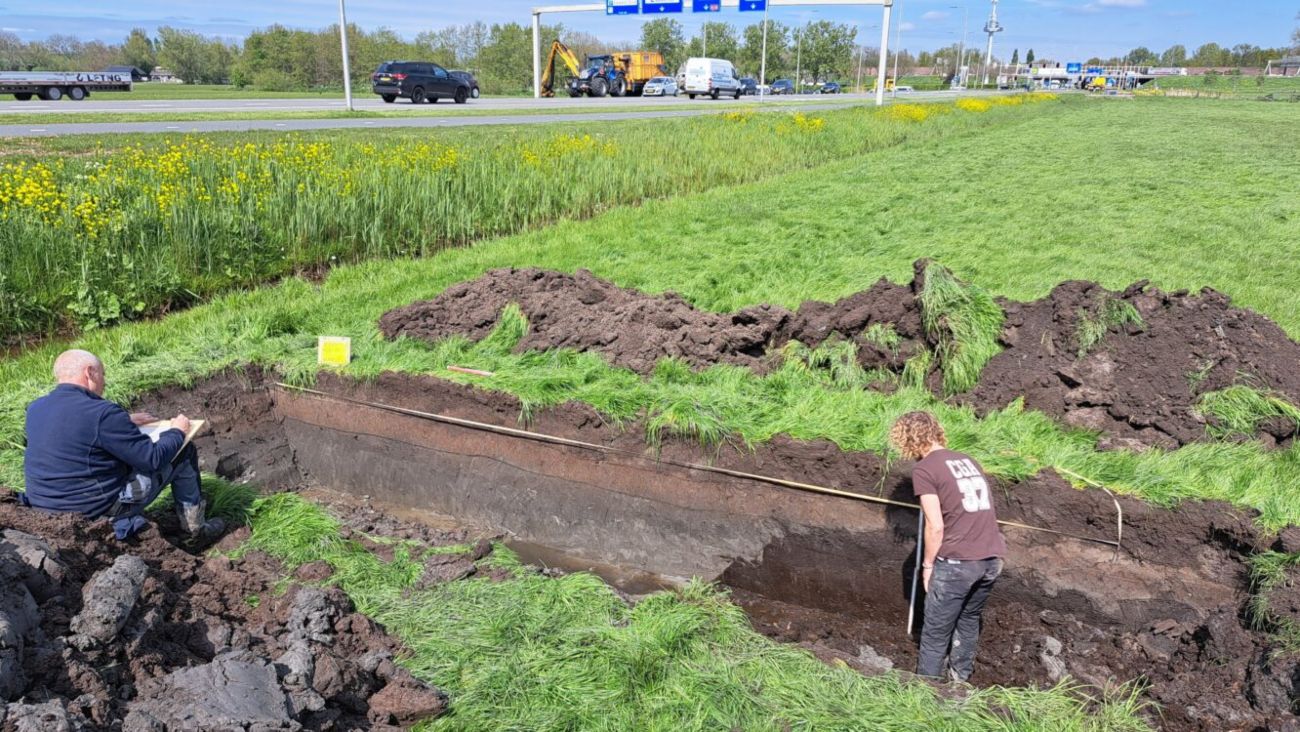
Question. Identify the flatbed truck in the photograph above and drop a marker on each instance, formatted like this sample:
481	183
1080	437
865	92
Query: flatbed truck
55	85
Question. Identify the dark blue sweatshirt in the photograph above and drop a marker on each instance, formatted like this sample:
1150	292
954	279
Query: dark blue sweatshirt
81	450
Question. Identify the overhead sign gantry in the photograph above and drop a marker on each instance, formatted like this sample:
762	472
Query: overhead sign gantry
658	7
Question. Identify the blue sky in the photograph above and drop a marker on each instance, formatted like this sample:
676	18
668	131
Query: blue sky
1061	29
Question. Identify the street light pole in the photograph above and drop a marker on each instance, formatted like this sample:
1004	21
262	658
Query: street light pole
347	70
762	72
961	54
857	85
798	64
898	45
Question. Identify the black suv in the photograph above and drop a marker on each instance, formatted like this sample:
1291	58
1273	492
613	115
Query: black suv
468	78
420	82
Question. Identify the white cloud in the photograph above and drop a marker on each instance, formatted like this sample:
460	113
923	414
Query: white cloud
18	30
1122	3
907	26
934	15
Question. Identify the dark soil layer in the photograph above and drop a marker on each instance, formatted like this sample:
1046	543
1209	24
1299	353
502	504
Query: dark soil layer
143	635
636	330
1138	385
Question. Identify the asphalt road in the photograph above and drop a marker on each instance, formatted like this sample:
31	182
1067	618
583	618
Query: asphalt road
515	112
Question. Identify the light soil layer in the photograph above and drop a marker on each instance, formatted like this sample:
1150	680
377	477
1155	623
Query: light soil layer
828	572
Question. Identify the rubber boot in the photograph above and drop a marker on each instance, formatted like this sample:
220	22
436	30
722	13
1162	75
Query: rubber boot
194	523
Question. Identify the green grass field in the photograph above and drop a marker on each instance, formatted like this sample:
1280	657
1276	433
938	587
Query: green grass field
1230	85
1185	193
1021	222
399	111
120	234
155	91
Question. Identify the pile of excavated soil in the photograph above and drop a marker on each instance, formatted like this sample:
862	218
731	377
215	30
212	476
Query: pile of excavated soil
635	330
1138	385
141	635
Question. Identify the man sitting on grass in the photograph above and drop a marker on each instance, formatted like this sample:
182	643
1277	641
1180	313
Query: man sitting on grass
963	545
87	455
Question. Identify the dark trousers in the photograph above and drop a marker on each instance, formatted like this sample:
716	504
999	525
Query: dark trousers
182	475
953	604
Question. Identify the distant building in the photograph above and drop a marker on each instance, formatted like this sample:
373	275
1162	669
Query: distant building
137	74
1288	66
165	76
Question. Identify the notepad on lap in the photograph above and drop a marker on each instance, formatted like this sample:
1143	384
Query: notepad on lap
154	430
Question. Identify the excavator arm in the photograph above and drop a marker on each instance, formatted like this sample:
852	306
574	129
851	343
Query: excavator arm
562	52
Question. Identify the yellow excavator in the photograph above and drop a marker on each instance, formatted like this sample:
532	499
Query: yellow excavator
616	74
561	52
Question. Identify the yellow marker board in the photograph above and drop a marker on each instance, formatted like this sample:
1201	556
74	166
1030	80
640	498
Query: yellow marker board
334	350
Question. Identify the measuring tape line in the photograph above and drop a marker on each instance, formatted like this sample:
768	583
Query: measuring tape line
552	439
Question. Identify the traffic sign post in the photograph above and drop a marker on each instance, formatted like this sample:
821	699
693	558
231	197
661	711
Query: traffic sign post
657	8
636	7
1074	68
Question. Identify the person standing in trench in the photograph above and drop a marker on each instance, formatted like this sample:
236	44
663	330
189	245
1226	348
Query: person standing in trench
963	546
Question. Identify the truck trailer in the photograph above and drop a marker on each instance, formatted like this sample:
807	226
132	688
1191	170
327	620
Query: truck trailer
55	85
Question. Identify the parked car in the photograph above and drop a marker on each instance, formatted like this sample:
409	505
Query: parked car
468	78
783	86
830	87
903	89
418	81
712	76
660	86
748	85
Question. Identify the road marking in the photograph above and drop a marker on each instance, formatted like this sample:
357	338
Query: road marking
37	129
173	127
157	106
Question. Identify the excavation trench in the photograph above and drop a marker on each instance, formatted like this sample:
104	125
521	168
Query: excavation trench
827	572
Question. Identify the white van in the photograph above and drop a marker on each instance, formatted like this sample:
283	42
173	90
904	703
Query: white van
713	76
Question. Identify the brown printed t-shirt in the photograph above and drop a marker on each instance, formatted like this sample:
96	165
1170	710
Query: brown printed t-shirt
970	525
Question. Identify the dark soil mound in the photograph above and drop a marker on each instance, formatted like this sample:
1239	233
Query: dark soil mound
100	634
1140	382
1073	355
635	330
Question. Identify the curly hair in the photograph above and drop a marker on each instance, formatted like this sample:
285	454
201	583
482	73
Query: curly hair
914	432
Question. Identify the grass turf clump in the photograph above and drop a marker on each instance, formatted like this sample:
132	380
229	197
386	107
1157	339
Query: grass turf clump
1270	571
536	653
1240	410
964	322
1113	313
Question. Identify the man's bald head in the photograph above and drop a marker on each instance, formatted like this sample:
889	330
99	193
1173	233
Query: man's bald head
81	368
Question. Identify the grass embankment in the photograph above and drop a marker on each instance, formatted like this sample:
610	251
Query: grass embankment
151	91
824	234
1228	85
406	111
539	653
131	232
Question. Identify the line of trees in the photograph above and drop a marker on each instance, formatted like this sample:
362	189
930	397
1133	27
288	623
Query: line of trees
819	50
282	59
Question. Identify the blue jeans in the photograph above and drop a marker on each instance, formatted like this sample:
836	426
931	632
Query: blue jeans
953	605
141	490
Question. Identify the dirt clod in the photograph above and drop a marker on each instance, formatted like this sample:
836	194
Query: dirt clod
145	636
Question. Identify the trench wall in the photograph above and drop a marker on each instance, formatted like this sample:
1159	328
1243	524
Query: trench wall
636	511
